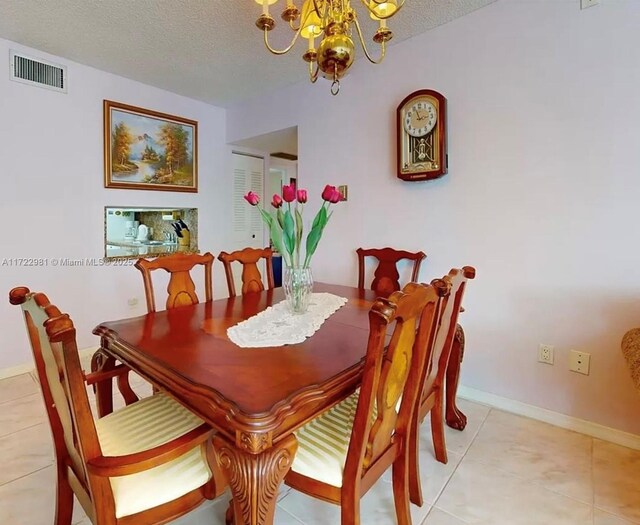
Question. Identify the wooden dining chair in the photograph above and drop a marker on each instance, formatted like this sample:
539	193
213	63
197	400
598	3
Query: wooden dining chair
431	399
386	278
343	452
251	276
149	462
181	288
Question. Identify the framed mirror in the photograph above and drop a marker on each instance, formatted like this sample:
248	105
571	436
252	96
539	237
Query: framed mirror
132	232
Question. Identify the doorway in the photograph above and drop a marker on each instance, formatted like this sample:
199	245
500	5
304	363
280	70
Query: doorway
278	152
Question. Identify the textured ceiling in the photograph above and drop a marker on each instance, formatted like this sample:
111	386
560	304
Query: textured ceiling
209	50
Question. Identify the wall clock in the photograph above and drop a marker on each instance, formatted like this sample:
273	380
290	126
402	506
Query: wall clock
422	136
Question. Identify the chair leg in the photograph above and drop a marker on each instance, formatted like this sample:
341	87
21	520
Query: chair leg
415	486
349	506
400	477
64	497
218	483
437	428
229	517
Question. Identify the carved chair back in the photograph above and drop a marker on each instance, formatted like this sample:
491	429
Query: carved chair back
251	276
391	378
181	288
53	342
432	376
386	278
82	469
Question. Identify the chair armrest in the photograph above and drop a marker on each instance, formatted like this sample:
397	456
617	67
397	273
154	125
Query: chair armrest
95	377
110	466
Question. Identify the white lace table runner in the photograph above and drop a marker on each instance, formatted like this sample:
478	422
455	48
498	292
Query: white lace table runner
277	326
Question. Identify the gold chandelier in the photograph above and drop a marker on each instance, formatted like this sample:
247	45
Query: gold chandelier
333	19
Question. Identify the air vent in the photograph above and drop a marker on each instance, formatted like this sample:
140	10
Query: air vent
38	72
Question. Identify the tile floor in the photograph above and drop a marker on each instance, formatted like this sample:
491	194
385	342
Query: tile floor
502	470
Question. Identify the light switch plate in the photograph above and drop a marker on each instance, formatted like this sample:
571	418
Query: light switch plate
588	3
344	192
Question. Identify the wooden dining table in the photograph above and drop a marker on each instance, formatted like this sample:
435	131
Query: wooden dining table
255	398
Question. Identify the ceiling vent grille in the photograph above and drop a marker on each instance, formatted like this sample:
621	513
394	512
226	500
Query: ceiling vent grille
38	72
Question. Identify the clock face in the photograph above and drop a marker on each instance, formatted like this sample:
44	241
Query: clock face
420	118
422	136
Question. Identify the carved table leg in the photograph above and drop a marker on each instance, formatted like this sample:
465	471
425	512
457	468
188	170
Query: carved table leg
254	474
453	416
102	362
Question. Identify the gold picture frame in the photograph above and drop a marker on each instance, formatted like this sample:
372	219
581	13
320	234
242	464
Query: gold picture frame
149	150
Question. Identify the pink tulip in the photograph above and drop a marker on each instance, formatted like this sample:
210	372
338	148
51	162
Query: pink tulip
335	197
289	193
302	196
277	201
328	192
252	198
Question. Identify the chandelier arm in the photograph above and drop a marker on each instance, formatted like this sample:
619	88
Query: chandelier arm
317	9
366	4
286	49
293	42
313	75
364	47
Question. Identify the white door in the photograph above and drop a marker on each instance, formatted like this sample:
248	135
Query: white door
248	229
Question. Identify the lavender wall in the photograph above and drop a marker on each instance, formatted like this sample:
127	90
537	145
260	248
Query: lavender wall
541	197
52	198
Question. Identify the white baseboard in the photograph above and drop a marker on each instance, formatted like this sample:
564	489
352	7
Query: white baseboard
17	370
31	366
583	426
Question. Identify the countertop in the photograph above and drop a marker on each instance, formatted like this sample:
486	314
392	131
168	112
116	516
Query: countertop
130	248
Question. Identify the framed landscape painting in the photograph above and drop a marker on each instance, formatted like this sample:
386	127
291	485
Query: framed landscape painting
147	150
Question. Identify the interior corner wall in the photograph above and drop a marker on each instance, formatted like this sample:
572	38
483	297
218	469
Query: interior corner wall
52	198
541	197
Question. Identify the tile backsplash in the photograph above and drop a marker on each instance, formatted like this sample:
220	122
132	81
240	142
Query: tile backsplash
153	219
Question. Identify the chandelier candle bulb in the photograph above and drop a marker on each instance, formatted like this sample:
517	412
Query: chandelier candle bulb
265	5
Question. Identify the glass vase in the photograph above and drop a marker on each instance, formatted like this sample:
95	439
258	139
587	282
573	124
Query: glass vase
298	285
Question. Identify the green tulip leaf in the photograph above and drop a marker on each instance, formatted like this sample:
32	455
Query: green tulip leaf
299	227
320	217
266	217
312	243
276	239
289	232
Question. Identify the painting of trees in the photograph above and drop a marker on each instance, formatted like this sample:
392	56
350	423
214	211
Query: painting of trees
145	149
121	140
175	140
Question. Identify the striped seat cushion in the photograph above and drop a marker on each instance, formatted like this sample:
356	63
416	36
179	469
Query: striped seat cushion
323	443
143	425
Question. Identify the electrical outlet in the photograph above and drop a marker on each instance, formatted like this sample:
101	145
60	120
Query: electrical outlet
545	354
132	302
579	362
588	3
